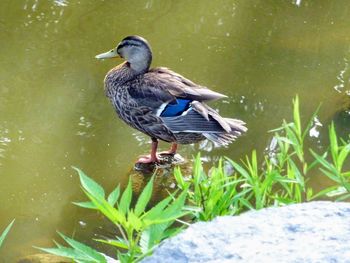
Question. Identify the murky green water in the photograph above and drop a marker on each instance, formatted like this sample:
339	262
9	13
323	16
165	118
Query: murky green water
53	112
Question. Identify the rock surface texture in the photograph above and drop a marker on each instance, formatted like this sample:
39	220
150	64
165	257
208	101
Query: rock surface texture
308	232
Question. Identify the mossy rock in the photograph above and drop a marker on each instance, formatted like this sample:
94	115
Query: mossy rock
164	181
43	258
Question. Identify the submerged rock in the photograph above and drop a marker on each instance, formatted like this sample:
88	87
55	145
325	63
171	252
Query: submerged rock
164	181
43	258
167	162
308	232
48	258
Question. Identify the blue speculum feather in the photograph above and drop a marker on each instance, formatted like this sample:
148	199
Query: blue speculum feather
173	110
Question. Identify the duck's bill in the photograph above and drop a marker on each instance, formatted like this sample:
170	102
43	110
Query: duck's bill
109	54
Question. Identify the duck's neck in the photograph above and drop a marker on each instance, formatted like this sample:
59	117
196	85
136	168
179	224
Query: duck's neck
140	65
118	76
140	61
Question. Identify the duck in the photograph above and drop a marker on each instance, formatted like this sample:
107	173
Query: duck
162	103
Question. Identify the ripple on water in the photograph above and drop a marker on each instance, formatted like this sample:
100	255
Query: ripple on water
5	140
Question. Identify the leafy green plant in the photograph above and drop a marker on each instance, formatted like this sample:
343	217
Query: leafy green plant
140	230
279	177
334	169
78	251
249	187
214	194
5	232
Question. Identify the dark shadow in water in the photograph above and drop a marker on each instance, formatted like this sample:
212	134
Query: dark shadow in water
342	120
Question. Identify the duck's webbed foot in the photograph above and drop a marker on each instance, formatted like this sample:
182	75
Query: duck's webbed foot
171	151
152	158
148	159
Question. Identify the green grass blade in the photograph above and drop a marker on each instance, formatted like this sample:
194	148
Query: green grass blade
179	178
285	140
4	234
153	213
197	170
246	203
87	251
243	172
112	242
134	221
322	160
125	200
298	176
324	192
105	208
88	205
174	210
113	196
65	252
340	190
344	153
333	143
144	198
343	197
90	185
296	116
311	122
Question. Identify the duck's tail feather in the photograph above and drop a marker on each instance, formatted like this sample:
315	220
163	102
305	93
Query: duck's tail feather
200	118
223	139
237	127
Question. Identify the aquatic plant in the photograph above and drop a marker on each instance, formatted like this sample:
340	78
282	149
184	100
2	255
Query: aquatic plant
334	168
213	194
140	230
5	232
279	177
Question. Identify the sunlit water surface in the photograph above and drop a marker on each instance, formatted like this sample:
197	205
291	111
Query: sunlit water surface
53	112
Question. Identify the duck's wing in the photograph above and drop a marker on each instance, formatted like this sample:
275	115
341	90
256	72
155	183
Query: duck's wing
179	104
161	87
169	94
178	86
145	93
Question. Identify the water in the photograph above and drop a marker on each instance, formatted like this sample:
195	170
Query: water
54	113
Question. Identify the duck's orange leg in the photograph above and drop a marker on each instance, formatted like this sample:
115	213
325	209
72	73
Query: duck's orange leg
152	158
172	150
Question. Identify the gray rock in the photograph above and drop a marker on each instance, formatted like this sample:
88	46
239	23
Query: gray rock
308	232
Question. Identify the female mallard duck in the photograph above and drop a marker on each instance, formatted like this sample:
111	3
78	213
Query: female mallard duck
161	103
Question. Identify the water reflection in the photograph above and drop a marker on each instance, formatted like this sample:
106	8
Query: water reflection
141	138
298	2
61	2
38	13
314	131
8	136
85	128
4	142
343	77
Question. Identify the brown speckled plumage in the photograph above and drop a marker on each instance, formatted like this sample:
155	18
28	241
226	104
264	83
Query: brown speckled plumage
161	103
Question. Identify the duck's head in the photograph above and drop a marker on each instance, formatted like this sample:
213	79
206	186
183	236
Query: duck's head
133	49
